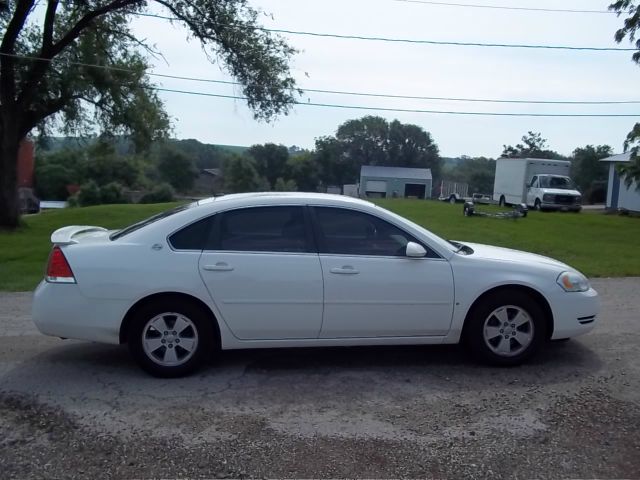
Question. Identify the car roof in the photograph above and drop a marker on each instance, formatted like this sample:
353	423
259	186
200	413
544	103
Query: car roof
262	198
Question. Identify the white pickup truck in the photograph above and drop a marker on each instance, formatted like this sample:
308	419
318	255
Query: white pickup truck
540	183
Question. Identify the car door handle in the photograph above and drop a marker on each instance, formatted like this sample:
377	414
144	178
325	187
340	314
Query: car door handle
218	267
345	270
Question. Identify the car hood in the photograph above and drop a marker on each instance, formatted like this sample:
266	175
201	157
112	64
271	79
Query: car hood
516	256
559	191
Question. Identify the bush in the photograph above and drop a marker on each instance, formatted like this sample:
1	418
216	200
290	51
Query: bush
285	186
112	193
89	194
161	193
52	180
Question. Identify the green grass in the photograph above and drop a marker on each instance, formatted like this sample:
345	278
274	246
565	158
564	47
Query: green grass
596	244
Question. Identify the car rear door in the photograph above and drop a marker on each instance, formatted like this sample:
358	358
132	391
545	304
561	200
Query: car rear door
263	273
372	289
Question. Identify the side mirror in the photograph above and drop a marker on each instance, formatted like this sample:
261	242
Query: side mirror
415	250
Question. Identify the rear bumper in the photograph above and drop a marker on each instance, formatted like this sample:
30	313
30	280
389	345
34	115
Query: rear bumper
575	313
60	310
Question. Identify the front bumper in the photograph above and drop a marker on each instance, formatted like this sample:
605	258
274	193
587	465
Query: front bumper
574	313
60	310
560	207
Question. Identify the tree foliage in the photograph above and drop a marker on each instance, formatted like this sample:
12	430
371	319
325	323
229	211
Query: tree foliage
532	146
630	9
304	171
177	169
270	161
373	140
64	89
479	173
240	175
588	172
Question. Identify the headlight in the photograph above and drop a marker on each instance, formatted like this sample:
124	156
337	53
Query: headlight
573	282
548	197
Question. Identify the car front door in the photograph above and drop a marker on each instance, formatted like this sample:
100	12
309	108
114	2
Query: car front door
264	274
371	288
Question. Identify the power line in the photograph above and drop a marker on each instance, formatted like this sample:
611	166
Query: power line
350	93
406	110
412	41
501	7
450	43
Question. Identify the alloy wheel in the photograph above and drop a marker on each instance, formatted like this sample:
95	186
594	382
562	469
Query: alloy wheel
508	330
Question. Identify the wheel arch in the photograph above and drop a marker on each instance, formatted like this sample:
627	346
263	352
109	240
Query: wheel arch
533	293
177	296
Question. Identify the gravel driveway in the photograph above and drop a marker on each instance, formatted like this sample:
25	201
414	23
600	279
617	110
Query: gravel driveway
75	409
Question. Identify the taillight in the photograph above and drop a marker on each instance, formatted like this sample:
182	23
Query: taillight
58	269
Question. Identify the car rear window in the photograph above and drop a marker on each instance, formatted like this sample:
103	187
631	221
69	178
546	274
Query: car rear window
137	226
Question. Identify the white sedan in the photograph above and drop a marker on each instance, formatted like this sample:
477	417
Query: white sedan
267	270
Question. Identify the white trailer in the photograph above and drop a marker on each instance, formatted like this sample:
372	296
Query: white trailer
453	192
540	183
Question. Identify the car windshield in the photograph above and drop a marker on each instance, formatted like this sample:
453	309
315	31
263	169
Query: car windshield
137	226
553	181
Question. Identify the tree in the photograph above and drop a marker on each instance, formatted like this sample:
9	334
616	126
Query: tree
304	171
532	146
374	141
283	185
411	146
240	175
334	167
479	173
365	140
270	161
587	171
77	66
629	30
103	165
52	180
177	169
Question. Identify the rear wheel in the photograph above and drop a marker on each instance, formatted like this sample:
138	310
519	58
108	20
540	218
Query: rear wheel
506	328
170	338
452	199
502	201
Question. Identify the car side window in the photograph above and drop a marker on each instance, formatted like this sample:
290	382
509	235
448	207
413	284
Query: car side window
349	232
192	237
263	229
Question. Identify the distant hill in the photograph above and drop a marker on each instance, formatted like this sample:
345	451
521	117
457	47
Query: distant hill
205	155
233	148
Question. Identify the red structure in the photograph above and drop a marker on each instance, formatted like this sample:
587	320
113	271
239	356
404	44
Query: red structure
26	164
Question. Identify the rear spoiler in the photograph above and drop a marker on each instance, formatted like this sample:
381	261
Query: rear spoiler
64	235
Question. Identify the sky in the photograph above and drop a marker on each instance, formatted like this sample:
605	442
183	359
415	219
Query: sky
418	70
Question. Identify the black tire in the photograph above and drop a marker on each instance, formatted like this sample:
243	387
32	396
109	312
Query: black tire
200	320
474	331
538	205
452	199
502	201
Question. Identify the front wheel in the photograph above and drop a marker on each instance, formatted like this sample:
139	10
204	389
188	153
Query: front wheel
538	205
506	328
170	339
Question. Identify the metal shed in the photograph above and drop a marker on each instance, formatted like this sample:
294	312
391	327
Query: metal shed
388	182
619	196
